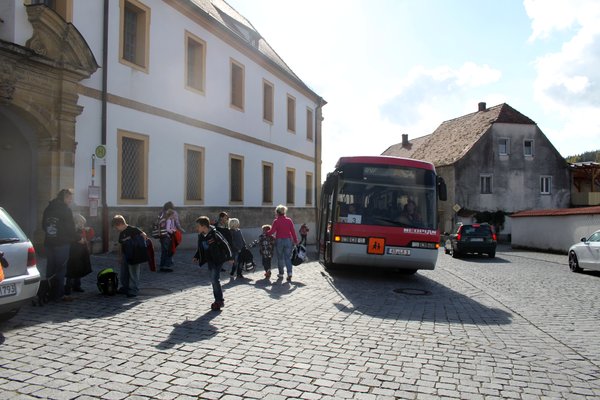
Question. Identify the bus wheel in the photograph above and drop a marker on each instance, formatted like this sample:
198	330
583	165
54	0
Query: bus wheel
407	271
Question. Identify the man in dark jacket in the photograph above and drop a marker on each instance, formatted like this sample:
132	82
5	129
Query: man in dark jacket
59	229
214	250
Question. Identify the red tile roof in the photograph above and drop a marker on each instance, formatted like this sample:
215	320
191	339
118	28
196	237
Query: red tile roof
557	212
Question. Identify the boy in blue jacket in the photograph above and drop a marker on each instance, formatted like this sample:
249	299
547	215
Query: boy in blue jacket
133	253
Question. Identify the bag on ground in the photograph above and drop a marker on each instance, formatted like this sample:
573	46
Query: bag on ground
107	282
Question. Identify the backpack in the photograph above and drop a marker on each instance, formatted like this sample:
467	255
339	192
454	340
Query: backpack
159	227
136	249
107	282
222	251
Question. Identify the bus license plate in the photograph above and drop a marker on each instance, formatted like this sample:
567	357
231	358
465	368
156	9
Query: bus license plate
8	290
398	252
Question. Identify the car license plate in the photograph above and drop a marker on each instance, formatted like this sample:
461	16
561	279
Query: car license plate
8	290
398	252
476	239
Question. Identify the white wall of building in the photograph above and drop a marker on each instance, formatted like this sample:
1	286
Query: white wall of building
555	233
164	87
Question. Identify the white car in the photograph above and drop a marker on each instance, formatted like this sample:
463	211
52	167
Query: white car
585	254
21	276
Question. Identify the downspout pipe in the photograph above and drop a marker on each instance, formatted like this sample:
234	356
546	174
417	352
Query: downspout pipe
104	117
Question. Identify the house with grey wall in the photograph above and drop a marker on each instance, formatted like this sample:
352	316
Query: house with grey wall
495	160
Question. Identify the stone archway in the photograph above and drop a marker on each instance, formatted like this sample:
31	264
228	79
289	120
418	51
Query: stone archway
38	107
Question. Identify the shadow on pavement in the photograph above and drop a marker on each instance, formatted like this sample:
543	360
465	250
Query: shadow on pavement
392	295
191	331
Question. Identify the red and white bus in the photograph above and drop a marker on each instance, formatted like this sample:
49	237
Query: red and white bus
380	211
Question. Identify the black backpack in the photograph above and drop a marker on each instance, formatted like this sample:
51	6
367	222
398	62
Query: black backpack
222	252
108	282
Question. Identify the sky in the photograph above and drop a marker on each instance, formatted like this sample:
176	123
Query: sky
393	67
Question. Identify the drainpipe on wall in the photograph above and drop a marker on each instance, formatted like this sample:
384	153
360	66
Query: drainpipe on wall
318	156
105	226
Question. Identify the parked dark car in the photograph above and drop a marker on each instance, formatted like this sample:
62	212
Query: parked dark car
21	276
472	238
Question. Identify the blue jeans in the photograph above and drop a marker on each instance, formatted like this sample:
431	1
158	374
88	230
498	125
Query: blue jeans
284	249
130	277
56	268
166	257
214	271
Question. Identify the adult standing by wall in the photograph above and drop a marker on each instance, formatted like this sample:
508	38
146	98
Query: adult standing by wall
285	239
59	230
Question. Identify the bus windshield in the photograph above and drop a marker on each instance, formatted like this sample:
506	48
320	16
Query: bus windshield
391	196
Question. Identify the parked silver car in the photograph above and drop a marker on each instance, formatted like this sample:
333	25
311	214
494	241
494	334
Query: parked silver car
585	254
21	276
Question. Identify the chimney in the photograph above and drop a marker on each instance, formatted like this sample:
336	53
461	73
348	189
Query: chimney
405	140
482	106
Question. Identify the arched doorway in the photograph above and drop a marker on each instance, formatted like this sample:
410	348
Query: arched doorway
18	164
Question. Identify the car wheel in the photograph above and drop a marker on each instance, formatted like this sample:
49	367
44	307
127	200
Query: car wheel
492	254
573	263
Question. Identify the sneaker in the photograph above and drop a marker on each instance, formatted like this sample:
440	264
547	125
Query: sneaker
268	274
231	273
280	275
217	305
289	278
163	269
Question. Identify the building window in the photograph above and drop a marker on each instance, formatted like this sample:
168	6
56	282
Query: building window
195	62
236	179
291	113
237	85
309	189
194	174
64	8
545	185
528	148
132	168
485	184
309	124
135	34
268	103
290	185
267	189
503	146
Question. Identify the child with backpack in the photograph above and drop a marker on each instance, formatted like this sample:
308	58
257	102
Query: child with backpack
266	244
213	250
133	253
238	243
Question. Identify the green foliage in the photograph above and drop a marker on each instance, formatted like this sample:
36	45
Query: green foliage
493	218
587	156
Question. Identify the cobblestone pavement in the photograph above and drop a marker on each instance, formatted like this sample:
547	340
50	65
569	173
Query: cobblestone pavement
520	326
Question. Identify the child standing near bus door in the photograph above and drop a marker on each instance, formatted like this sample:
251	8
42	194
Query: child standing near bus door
303	233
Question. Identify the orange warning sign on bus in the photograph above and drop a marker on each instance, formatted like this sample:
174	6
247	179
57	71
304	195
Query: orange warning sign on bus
376	246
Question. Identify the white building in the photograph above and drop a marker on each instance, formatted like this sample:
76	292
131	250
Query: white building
185	98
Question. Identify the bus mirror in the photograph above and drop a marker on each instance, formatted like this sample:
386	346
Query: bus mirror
442	190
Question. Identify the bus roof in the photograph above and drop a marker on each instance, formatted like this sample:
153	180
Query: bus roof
385	160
